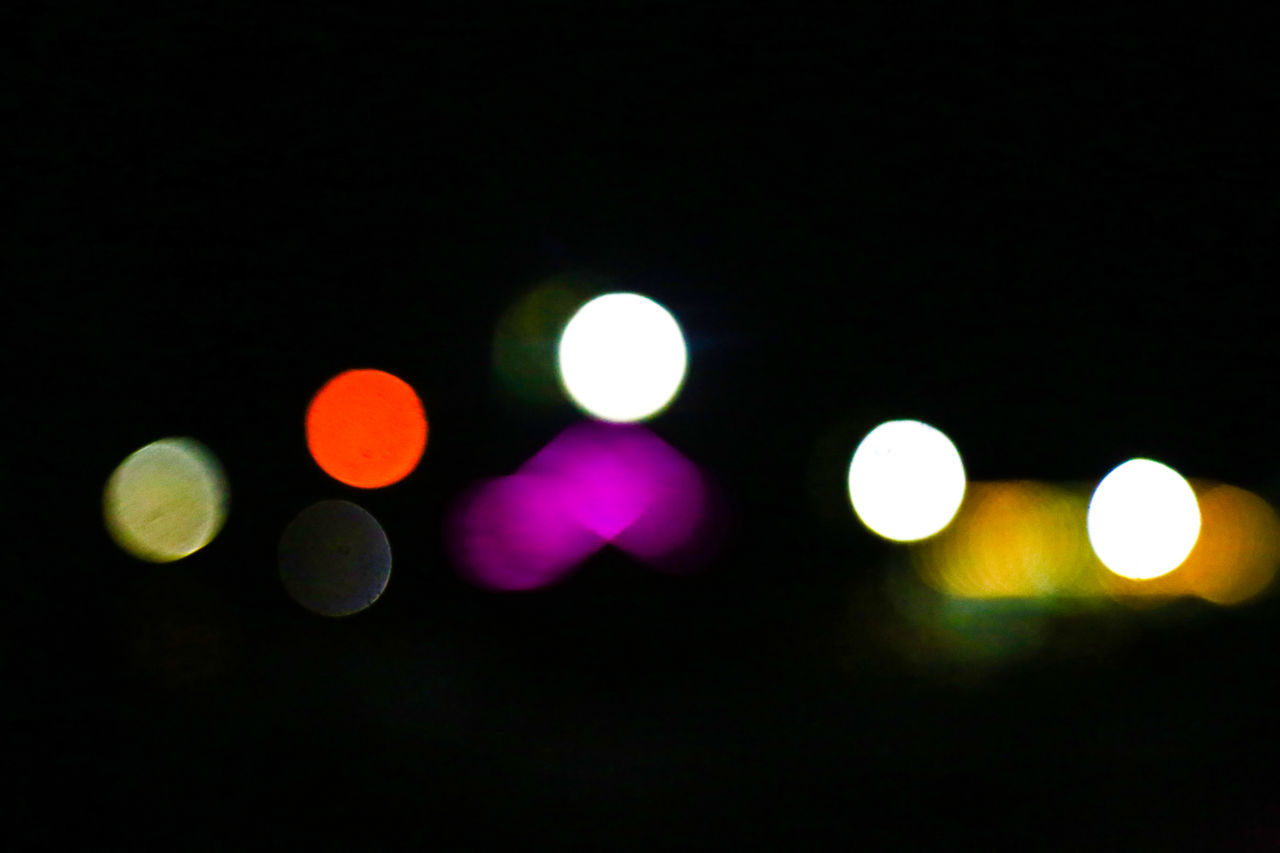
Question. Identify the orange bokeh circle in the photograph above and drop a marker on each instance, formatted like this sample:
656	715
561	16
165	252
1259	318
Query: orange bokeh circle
366	428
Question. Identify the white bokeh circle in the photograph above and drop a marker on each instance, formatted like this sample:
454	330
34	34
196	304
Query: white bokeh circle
1143	519
622	357
906	480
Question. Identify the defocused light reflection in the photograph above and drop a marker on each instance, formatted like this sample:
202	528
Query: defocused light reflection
1013	540
1143	519
594	484
334	558
622	357
906	480
366	428
525	340
166	500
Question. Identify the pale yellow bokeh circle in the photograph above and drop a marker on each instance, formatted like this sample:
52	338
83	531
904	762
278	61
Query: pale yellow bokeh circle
166	500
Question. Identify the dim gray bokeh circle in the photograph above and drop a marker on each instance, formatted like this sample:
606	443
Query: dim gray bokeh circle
334	558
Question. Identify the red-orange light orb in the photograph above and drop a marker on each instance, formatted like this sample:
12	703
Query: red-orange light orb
366	428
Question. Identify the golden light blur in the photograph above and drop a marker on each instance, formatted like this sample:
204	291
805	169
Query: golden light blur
1235	557
1239	552
166	500
1015	539
1023	539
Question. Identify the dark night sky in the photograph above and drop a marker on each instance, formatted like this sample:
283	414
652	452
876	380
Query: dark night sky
1052	237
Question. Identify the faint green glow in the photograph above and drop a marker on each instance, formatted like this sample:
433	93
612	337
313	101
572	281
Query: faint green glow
1143	519
906	480
965	637
622	357
166	501
527	333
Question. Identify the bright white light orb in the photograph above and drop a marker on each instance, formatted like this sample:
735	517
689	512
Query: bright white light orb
622	357
1143	519
906	480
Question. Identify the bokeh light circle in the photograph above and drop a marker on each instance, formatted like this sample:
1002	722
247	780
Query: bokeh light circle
516	533
622	357
334	558
1143	519
906	480
366	428
1237	553
166	500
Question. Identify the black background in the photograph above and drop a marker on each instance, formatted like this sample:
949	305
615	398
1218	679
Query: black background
1050	236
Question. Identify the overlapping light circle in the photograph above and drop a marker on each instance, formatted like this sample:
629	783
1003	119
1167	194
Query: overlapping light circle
595	484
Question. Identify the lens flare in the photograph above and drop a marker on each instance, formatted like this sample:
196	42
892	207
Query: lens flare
166	500
1143	519
622	357
906	480
366	428
334	558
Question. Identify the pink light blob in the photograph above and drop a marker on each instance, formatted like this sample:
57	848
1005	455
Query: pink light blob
515	533
594	484
626	484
